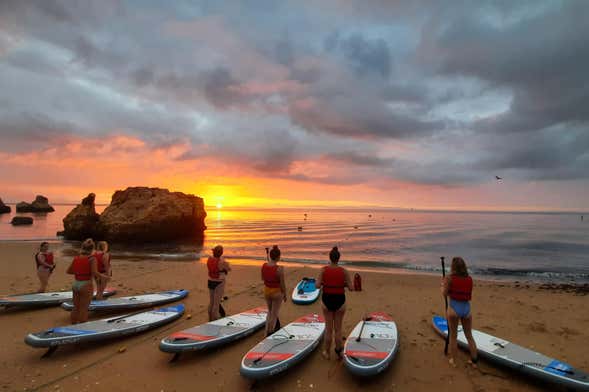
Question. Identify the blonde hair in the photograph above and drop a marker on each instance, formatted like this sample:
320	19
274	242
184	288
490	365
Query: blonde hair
458	267
102	246
87	247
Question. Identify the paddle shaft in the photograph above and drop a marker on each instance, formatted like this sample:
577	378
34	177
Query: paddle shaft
446	304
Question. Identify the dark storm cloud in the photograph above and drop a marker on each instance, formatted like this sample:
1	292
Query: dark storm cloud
365	55
270	83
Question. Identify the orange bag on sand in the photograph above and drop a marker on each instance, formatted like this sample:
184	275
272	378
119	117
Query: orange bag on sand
357	282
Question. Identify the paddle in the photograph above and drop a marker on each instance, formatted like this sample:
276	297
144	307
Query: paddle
364	319
446	303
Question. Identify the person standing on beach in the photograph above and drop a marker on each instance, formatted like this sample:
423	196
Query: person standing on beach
274	289
218	268
45	266
84	268
334	280
103	264
458	286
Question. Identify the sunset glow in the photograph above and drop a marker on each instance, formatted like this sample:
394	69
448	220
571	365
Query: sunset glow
393	106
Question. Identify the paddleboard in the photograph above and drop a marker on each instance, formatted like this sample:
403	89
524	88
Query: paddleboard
44	299
519	358
215	333
284	348
105	328
132	302
376	348
305	292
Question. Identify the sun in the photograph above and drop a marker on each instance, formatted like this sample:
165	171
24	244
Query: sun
219	206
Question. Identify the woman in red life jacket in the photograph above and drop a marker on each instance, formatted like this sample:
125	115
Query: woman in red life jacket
458	286
218	268
274	289
103	265
84	268
334	280
45	265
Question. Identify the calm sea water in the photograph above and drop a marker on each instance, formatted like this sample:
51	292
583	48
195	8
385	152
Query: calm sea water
513	245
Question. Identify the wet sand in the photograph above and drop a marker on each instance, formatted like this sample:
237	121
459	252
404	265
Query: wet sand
551	320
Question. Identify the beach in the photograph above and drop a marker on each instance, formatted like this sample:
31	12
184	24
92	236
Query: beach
550	320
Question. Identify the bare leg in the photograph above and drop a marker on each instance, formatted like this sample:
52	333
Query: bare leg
85	298
43	275
274	303
337	326
217	294
329	318
453	333
74	315
211	302
472	346
100	286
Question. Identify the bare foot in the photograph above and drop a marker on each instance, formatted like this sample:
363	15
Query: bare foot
338	352
325	354
452	363
473	364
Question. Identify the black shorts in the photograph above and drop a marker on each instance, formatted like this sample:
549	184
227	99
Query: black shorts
333	302
214	283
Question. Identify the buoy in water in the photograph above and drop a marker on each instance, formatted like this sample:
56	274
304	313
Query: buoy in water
300	228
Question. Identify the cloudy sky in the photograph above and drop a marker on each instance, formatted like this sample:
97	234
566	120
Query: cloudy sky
326	102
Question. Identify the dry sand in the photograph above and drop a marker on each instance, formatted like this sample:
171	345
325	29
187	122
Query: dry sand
553	322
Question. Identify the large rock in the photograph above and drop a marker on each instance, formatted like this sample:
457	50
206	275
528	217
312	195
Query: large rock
81	222
21	220
151	215
4	209
40	204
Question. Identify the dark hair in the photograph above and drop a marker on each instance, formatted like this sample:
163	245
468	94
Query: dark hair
43	244
217	251
334	255
275	253
459	267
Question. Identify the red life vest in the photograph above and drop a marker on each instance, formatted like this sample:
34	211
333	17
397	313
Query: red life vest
48	258
270	275
334	280
460	288
213	267
357	282
82	268
100	262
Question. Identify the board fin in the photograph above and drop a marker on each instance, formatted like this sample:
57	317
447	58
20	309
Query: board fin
49	351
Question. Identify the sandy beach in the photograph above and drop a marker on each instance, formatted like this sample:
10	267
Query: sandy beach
552	321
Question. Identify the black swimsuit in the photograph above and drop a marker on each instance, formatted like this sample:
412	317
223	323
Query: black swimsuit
333	302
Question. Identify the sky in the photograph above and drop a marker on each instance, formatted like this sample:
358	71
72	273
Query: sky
411	104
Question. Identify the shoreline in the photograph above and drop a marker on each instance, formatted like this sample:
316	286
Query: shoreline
546	320
580	279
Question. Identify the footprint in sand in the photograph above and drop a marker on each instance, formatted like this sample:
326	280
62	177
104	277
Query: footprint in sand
537	327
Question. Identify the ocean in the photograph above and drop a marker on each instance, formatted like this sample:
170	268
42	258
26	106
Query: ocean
514	246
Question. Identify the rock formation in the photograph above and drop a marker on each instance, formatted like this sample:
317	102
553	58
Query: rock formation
81	222
138	215
4	209
21	220
40	204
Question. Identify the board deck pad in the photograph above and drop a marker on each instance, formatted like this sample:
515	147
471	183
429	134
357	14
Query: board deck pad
530	362
283	349
377	347
216	333
105	328
305	292
44	299
133	302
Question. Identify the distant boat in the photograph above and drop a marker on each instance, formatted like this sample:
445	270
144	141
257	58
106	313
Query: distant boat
498	178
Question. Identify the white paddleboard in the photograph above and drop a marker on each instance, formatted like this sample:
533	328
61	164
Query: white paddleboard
44	299
519	358
106	328
216	333
284	348
132	302
305	292
372	345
